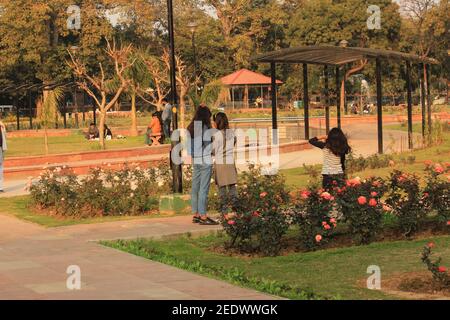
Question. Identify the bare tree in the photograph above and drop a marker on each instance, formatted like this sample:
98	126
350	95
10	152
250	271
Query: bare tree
100	87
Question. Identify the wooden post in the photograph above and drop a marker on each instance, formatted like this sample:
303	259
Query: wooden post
274	103
306	99
327	101
379	106
409	100
338	97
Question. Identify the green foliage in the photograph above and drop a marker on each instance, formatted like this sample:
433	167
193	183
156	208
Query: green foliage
357	164
406	199
313	213
361	206
441	277
260	221
437	189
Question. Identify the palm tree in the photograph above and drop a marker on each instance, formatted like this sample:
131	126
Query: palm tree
50	110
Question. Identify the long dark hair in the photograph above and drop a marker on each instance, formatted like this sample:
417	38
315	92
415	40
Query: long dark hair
337	142
202	114
221	121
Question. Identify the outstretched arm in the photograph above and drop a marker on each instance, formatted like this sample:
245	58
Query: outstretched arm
317	143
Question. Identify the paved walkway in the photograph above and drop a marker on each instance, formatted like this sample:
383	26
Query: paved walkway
34	260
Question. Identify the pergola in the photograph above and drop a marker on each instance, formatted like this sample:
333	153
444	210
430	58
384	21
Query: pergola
333	56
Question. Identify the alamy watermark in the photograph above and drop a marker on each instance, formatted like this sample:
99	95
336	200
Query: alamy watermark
374	280
239	146
374	20
74	280
74	19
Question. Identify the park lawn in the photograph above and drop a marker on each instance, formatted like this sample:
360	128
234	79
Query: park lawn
331	274
19	208
34	146
299	178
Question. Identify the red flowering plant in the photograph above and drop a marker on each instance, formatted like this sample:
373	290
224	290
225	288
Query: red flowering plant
362	210
441	277
407	201
260	219
313	214
437	190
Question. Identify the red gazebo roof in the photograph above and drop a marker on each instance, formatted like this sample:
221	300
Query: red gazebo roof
246	77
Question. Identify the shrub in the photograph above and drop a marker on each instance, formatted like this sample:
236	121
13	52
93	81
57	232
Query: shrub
360	203
356	164
441	277
407	201
260	220
313	214
437	191
129	191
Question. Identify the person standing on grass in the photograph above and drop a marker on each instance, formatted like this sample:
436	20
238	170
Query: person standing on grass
202	165
335	148
167	118
225	170
3	149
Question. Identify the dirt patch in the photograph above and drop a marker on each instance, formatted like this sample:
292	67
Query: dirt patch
414	285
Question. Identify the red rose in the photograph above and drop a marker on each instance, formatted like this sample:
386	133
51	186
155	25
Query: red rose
326	196
430	245
428	163
305	194
373	202
327	227
362	200
448	223
438	169
263	195
373	194
231	222
442	269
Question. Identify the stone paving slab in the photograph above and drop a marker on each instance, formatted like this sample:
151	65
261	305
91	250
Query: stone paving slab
34	261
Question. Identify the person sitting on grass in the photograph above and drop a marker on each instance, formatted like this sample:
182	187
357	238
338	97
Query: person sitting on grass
335	148
93	132
154	134
108	133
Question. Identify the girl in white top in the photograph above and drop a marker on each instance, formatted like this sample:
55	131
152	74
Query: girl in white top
335	148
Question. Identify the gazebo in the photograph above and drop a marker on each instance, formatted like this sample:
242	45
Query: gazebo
246	88
339	57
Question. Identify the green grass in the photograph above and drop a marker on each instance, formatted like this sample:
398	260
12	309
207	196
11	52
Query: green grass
417	127
333	273
19	208
33	146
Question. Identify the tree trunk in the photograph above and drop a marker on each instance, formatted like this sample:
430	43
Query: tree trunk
134	129
101	129
346	76
46	139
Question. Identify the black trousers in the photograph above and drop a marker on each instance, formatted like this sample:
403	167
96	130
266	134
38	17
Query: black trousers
333	180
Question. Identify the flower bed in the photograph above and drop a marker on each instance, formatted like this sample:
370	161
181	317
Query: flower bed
359	208
130	191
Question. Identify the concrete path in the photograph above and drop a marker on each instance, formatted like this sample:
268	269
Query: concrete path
34	261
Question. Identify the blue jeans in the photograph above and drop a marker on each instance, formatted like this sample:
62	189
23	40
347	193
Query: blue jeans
201	181
166	128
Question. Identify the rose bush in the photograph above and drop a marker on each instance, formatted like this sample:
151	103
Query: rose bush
407	201
361	207
261	219
437	191
441	277
129	191
313	214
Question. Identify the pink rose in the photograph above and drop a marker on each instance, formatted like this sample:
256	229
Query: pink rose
362	200
373	202
263	195
448	223
318	238
231	222
326	196
438	169
305	194
428	163
373	194
430	245
327	227
333	220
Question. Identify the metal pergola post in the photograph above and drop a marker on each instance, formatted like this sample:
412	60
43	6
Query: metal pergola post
16	102
327	100
427	71
422	98
306	99
379	106
30	108
273	74
338	97
409	101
